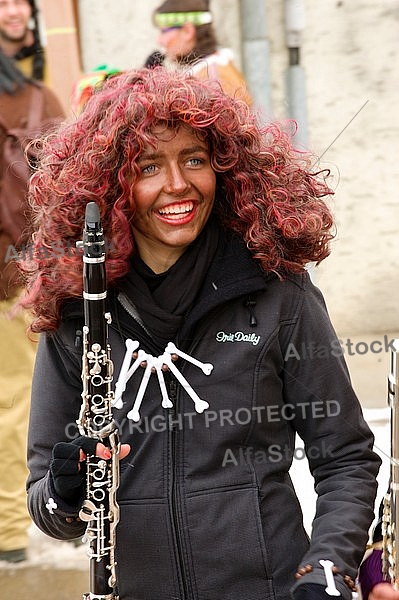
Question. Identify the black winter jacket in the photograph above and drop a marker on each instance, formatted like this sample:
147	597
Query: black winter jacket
207	507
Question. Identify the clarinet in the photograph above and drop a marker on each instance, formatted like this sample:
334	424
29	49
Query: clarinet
100	509
390	517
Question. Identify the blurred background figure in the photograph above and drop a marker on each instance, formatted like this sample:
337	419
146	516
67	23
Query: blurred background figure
17	352
20	39
188	39
88	84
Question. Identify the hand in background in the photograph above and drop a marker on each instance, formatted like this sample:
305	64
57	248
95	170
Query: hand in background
383	591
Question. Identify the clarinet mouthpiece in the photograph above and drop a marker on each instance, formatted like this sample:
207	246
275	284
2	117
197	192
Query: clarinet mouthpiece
92	215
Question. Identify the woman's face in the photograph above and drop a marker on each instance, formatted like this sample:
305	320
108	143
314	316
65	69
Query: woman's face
177	41
172	197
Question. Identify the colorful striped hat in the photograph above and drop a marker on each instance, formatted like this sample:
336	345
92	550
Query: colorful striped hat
174	13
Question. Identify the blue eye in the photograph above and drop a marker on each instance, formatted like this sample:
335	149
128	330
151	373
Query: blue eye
195	161
148	169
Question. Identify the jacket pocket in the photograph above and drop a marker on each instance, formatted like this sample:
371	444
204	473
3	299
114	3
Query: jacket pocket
145	555
229	556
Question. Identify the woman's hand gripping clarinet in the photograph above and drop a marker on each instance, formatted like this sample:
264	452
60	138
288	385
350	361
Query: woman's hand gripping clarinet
100	508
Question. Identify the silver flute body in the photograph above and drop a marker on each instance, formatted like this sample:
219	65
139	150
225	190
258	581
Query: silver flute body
100	509
390	518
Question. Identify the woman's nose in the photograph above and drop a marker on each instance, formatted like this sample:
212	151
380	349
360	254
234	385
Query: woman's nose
176	181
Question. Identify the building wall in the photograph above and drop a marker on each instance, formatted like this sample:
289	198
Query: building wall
350	62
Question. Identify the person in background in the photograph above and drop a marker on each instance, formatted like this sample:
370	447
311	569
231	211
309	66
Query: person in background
187	38
17	352
20	37
382	591
211	220
88	84
371	578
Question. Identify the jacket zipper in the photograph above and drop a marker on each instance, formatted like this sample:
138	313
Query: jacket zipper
175	498
131	310
174	487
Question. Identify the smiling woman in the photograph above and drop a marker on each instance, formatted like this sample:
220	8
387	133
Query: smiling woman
211	220
264	191
173	195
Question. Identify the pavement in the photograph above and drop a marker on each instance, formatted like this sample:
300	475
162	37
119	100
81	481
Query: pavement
59	570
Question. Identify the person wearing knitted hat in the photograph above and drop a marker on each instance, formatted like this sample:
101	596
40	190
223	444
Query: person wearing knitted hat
188	39
19	37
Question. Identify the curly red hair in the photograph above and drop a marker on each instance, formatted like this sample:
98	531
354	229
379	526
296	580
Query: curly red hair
266	191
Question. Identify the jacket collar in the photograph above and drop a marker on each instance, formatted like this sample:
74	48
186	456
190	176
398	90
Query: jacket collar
233	274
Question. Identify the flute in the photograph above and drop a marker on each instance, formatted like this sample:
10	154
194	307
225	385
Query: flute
390	518
100	509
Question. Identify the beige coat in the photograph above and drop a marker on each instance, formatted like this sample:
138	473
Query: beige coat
220	66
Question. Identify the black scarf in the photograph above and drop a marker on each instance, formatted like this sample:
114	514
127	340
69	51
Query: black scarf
37	52
163	300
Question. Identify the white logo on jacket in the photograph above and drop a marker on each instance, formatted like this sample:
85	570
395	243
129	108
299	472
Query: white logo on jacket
238	336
